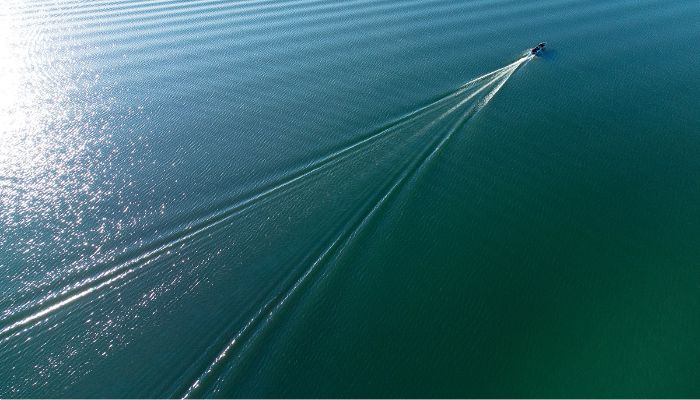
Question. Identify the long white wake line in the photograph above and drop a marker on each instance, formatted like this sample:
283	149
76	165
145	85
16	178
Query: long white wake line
388	194
515	63
479	106
125	269
500	75
300	281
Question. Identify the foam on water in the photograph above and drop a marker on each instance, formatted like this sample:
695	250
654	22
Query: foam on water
23	315
471	95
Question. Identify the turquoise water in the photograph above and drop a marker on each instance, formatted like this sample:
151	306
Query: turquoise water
215	198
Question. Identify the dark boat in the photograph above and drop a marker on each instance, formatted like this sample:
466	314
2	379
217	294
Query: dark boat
537	48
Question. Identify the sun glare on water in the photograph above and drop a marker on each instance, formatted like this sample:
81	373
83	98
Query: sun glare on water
15	79
53	130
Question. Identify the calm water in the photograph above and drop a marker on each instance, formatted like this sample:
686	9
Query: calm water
216	198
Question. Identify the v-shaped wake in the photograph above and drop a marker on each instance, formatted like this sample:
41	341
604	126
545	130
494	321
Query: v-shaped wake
463	103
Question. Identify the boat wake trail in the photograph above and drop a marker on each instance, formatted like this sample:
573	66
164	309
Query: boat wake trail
411	127
83	310
457	108
245	264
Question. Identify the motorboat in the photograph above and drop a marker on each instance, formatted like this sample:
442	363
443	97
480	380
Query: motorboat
537	48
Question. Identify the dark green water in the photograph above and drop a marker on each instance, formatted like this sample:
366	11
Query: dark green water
215	198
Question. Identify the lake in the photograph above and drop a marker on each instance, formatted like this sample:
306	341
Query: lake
304	198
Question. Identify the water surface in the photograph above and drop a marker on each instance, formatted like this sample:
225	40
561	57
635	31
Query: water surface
215	198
